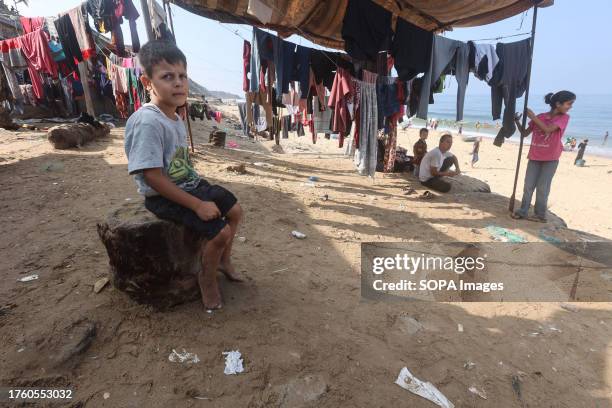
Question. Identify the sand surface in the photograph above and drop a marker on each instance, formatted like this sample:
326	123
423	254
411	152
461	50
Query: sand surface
307	336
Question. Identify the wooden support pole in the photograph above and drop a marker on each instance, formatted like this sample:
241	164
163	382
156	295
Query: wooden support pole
524	124
83	75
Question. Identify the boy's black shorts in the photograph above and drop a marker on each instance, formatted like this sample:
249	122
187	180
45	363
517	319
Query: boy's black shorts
171	211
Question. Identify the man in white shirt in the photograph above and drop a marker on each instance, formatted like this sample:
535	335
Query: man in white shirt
436	164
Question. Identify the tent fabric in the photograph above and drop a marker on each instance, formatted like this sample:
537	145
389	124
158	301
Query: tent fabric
321	20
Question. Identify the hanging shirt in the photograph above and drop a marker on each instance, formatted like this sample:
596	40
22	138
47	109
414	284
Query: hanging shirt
341	90
366	29
485	60
411	49
246	65
547	148
11	53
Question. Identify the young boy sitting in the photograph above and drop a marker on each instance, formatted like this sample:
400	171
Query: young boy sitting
419	149
158	157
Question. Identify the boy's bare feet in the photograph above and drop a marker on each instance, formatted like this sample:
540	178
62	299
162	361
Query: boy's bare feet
211	295
227	268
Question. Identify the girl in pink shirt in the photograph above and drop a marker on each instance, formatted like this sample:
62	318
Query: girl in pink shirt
544	152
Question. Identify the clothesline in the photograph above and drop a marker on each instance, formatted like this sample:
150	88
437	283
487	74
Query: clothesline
502	37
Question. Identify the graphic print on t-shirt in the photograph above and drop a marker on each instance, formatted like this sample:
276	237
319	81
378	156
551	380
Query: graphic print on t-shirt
181	169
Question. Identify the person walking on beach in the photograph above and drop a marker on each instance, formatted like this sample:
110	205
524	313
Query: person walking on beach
460	129
605	138
581	148
475	150
544	152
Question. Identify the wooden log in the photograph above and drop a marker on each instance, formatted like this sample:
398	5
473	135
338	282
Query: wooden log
68	135
154	261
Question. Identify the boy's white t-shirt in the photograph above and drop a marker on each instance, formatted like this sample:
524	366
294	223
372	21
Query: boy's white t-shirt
433	158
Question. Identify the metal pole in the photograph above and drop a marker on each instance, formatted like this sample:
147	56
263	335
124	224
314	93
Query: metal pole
520	152
146	16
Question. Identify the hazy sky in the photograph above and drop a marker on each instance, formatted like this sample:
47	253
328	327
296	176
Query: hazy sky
573	47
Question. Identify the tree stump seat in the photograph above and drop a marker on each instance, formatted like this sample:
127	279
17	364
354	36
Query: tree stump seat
153	261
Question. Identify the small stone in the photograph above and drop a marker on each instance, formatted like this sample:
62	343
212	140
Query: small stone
100	284
409	325
106	395
242	239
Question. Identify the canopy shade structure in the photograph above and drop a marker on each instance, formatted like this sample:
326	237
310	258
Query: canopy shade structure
321	20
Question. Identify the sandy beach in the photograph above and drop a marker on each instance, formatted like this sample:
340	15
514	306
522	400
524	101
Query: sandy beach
307	336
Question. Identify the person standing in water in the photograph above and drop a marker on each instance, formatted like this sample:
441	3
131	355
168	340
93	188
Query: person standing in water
544	152
581	148
605	138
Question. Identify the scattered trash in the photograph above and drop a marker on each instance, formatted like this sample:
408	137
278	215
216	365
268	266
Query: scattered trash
184	357
313	178
242	239
280	270
233	362
504	235
128	199
476	391
261	164
569	307
100	284
28	278
21	349
410	191
475	231
469	365
106	395
298	234
459	327
426	390
232	145
325	197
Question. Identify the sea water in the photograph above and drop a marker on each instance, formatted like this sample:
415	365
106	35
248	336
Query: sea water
590	118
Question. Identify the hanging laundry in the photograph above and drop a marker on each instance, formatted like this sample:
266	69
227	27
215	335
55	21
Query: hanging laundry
30	24
68	39
12	82
50	27
301	71
387	102
158	16
485	60
11	53
102	12
411	49
57	52
263	47
447	56
366	29
321	118
218	116
35	48
323	65
342	89
130	13
78	17
367	150
284	60
509	83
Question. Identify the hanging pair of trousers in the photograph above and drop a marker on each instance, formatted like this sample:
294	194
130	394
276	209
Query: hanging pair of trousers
538	177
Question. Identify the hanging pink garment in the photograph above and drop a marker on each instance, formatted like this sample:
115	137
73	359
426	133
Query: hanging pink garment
218	116
31	24
35	47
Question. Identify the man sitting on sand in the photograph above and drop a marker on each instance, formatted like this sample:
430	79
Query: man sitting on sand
436	164
419	149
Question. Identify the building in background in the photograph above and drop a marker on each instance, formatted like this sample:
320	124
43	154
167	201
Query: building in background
9	22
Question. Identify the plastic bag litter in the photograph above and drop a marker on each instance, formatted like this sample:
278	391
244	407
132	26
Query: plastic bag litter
233	362
478	392
28	278
184	357
504	235
427	390
298	234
